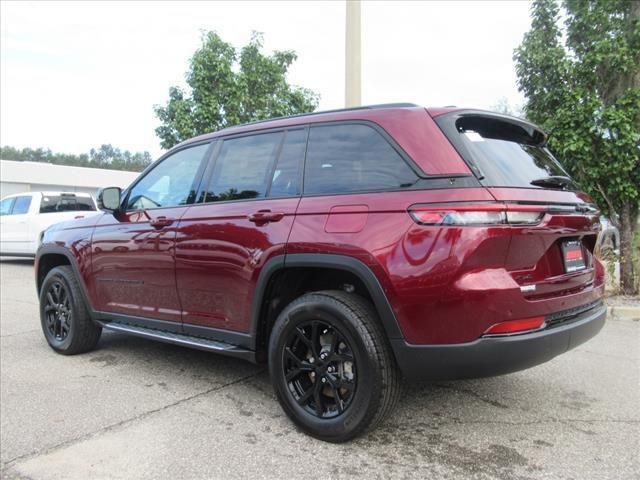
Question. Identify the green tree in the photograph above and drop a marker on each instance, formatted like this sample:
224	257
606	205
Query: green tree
227	88
581	80
104	157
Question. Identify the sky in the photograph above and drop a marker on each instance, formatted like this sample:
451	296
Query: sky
75	75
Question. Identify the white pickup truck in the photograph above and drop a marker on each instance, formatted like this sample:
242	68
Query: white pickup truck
25	216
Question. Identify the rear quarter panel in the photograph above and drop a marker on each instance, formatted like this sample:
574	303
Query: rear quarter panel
414	265
446	285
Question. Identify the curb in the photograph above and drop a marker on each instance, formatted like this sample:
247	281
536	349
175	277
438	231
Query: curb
624	311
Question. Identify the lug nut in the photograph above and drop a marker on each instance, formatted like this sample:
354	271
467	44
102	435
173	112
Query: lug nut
324	380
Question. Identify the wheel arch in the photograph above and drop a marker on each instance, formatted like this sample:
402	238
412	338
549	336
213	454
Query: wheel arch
342	267
50	256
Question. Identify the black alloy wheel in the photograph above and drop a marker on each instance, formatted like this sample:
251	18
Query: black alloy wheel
331	365
57	311
320	369
64	316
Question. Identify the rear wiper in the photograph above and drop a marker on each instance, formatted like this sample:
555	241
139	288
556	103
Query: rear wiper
554	181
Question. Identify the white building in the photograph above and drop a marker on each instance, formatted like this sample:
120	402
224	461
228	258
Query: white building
17	177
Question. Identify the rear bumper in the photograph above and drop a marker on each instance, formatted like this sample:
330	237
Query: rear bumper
491	356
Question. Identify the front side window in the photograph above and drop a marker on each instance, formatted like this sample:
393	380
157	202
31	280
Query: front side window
5	206
66	203
243	167
21	206
352	158
170	183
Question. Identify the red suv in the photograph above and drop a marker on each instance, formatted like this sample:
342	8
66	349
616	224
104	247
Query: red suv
346	249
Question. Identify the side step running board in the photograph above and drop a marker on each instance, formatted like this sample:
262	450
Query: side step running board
199	343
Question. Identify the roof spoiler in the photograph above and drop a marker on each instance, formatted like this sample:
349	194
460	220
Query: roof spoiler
492	124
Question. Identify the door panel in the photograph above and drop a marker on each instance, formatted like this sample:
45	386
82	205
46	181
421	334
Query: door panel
133	264
133	250
222	246
219	255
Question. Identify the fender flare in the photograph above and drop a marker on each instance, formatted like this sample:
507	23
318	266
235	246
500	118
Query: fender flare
334	261
58	250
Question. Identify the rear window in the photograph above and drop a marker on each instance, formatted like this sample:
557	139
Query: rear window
66	203
505	154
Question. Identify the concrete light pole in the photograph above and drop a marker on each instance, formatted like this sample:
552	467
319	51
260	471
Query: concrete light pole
353	84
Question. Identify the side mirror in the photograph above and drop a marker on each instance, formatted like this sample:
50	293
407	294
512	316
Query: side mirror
109	199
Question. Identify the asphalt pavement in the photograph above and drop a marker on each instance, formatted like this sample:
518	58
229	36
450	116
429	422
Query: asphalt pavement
138	409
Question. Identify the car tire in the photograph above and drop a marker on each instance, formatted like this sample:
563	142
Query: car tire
351	396
64	316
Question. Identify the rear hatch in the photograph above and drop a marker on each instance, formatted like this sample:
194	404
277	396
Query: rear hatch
555	227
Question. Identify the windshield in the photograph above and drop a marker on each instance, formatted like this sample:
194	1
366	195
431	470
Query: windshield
66	203
505	152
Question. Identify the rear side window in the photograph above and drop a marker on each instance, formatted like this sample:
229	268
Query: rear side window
243	168
21	205
287	174
352	158
66	203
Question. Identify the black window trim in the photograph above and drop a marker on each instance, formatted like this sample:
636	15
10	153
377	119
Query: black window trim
390	140
195	185
301	162
392	143
424	181
214	159
396	146
268	175
305	128
202	190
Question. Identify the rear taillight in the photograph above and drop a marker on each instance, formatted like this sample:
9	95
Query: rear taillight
524	218
482	214
515	326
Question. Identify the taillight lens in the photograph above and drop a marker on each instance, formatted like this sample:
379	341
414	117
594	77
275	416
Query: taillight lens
523	218
457	218
515	326
470	215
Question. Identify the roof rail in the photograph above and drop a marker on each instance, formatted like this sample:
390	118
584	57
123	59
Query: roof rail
309	114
